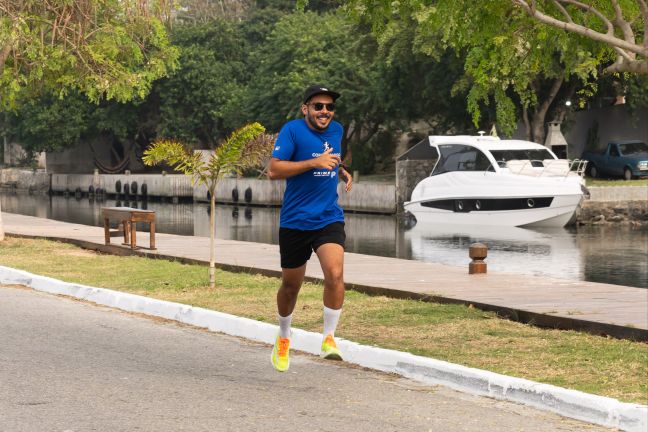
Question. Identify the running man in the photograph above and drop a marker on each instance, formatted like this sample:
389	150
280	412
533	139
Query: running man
307	154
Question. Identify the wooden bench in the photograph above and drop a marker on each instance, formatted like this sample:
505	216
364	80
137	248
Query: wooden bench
129	217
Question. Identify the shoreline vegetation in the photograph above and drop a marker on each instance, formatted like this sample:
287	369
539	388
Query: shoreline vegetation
454	333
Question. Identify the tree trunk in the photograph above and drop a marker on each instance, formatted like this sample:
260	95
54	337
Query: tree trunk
2	234
540	115
636	66
212	238
4	53
538	128
527	124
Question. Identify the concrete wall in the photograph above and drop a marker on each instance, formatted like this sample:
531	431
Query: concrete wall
12	153
619	193
408	174
21	179
365	197
172	185
614	123
369	197
262	191
78	159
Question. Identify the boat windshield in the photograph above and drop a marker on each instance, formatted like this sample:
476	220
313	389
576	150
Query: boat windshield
536	156
459	157
633	148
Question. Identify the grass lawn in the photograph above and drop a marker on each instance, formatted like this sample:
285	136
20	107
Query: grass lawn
459	334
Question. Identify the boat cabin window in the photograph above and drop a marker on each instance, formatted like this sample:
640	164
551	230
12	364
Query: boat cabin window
457	157
536	156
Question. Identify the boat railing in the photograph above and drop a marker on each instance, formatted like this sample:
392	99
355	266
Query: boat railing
556	168
578	166
564	167
523	167
547	167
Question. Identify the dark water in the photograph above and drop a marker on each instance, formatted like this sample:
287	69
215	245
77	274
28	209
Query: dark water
616	255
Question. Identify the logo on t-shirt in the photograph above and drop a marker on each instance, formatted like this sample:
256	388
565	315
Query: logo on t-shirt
326	145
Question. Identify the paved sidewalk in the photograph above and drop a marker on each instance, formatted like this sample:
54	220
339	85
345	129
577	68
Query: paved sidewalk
617	310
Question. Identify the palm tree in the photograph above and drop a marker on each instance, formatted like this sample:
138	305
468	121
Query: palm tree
245	148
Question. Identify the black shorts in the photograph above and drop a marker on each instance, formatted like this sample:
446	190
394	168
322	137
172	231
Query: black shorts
296	246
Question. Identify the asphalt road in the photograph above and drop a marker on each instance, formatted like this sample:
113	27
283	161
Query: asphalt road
70	366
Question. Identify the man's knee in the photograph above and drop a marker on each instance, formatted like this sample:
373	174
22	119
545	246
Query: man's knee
335	278
291	287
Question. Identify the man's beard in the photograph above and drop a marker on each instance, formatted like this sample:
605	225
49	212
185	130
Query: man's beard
312	121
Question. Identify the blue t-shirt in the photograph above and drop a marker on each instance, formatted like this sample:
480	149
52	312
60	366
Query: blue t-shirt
310	199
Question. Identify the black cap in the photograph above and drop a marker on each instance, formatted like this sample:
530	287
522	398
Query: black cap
319	89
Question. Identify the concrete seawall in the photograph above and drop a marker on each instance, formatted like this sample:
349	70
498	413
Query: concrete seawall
618	193
365	197
27	180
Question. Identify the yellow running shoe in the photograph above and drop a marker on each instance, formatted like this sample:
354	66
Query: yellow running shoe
281	354
330	350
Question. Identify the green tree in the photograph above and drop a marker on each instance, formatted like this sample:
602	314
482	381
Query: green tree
199	103
104	48
382	90
51	123
305	48
196	11
513	62
48	122
219	85
245	148
616	23
110	49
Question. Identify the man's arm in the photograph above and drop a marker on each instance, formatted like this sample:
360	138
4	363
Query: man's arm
348	178
281	169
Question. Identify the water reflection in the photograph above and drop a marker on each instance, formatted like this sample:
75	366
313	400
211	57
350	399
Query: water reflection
602	254
541	252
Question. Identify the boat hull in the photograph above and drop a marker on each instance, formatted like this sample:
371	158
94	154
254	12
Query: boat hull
557	214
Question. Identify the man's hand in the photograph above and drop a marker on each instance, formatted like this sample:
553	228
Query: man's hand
327	160
280	169
348	178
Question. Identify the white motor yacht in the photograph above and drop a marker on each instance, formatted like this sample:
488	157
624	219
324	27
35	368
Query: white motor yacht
482	180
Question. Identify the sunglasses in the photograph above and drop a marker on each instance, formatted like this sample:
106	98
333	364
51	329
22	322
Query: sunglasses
319	106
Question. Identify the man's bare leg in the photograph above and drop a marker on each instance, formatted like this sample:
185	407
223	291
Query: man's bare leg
291	282
331	256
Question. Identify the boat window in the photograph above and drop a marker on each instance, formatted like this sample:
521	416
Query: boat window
536	156
634	148
457	157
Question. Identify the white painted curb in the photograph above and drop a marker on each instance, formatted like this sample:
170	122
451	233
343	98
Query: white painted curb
569	403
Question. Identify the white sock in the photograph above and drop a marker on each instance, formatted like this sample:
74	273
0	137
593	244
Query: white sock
284	326
331	318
